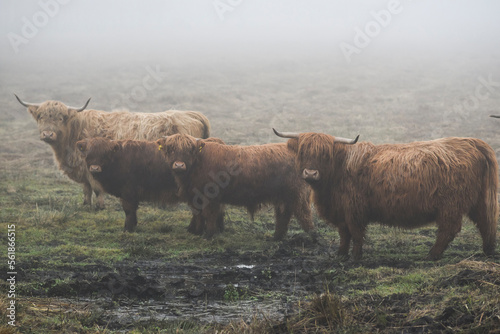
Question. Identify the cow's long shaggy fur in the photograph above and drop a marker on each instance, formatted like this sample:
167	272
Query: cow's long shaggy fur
133	171
404	185
70	126
238	175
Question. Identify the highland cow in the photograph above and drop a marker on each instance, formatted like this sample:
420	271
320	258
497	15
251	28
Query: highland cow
402	185
134	171
61	127
209	175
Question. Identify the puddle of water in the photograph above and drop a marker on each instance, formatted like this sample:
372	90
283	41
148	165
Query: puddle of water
245	266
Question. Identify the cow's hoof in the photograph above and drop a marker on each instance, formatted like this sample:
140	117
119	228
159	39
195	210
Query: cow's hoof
343	257
195	231
432	257
209	235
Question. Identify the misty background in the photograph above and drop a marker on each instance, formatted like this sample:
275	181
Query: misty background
265	63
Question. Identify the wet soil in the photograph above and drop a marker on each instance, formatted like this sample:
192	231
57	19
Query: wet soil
210	288
231	286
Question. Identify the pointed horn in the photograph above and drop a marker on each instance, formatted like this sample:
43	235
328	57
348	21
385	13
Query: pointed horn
346	140
495	116
286	134
82	108
26	104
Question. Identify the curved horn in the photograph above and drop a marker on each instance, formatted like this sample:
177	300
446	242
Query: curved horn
26	104
346	141
495	116
82	108
286	134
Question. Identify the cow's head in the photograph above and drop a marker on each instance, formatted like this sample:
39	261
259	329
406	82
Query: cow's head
180	151
99	153
52	118
314	152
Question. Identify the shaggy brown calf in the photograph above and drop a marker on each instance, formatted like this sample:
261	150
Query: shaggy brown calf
210	175
62	126
133	171
403	185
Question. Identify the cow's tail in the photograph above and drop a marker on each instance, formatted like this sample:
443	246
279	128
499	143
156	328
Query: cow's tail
489	200
205	122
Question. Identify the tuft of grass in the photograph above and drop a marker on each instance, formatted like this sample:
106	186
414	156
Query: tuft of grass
325	312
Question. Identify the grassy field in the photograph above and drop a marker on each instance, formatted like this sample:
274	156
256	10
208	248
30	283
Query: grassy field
77	272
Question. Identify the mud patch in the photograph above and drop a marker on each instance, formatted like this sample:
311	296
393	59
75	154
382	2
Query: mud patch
229	286
218	287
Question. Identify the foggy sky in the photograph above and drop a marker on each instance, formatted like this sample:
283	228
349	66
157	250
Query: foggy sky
210	28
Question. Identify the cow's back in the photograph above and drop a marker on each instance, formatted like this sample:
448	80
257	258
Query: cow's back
257	173
144	126
407	184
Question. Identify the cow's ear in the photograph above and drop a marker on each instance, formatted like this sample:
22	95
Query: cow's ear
293	144
200	144
81	146
161	144
116	147
71	113
34	111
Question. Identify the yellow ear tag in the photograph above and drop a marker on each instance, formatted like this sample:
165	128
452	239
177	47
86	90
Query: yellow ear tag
201	147
160	147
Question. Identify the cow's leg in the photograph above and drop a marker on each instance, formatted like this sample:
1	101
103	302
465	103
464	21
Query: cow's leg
197	225
99	194
345	240
487	225
211	214
87	194
283	213
448	227
302	211
130	208
220	219
357	228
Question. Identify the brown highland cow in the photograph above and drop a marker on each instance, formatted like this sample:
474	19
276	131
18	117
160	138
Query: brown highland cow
133	171
61	127
403	185
210	175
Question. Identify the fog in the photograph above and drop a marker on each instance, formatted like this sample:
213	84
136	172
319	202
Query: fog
207	29
214	54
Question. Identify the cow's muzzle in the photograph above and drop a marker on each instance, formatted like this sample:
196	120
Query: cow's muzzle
48	136
310	174
179	166
95	169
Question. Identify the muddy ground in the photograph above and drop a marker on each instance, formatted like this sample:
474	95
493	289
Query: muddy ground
228	286
212	288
